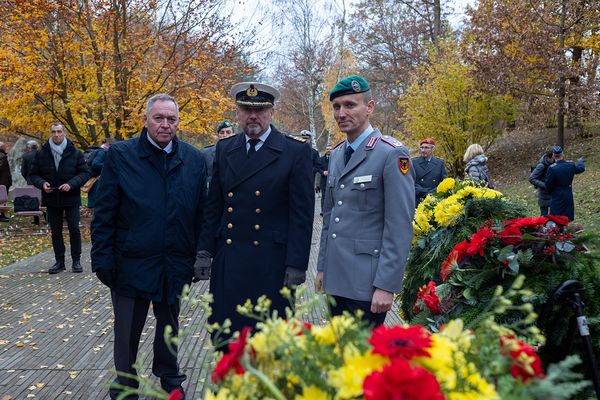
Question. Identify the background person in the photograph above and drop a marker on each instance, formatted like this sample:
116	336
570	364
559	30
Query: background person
259	215
559	183
96	162
5	176
323	178
26	161
429	170
224	130
144	235
59	170
476	168
537	179
369	207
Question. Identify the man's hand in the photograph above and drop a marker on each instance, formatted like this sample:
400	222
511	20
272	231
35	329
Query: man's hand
325	173
319	282
47	187
581	159
202	266
382	301
107	276
65	187
317	189
293	277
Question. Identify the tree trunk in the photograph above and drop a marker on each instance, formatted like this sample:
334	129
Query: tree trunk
560	118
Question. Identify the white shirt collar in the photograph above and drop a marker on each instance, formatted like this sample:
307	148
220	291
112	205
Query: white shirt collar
168	148
262	138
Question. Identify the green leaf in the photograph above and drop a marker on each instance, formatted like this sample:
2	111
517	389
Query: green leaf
505	252
566	247
514	264
525	257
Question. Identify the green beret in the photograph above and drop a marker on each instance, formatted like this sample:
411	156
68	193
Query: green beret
349	85
224	124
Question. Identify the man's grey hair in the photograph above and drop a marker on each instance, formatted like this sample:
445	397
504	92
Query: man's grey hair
160	97
32	145
368	96
62	126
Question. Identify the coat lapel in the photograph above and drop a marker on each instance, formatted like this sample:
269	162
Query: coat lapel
245	167
359	155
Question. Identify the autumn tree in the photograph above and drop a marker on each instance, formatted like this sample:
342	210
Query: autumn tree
92	64
445	102
545	53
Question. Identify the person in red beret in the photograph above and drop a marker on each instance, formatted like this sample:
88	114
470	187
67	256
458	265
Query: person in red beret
429	170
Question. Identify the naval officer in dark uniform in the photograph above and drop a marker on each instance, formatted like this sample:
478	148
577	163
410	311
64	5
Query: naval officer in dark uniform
429	170
259	215
224	130
559	180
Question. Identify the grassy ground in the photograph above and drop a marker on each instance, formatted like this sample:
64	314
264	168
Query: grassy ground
510	160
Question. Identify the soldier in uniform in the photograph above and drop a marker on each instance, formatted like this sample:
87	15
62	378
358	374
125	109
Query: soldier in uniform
324	173
259	215
224	130
429	170
369	207
559	180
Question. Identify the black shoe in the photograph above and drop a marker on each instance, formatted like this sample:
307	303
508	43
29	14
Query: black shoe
56	268
4	218
77	267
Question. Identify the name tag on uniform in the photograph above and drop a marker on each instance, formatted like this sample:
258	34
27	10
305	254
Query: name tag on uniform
363	179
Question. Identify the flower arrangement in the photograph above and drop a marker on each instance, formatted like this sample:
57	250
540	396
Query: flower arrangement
346	359
445	207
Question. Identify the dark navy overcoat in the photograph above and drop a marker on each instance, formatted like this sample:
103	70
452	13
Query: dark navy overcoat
559	178
259	219
148	217
428	174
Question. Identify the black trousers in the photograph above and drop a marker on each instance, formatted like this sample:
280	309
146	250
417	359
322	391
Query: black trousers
130	318
55	219
345	304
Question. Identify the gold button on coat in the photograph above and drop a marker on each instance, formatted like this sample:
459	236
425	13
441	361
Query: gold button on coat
230	194
258	210
256	243
230	209
257	227
257	193
228	241
230	225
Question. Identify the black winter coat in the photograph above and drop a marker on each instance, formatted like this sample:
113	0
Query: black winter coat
71	169
148	216
259	220
5	176
537	178
26	163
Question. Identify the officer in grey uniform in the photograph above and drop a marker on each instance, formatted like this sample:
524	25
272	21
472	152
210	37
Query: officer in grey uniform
369	207
224	130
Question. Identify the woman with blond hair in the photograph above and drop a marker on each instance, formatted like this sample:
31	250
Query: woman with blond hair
476	169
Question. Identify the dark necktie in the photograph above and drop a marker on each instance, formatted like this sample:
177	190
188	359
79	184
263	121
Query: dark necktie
252	150
348	154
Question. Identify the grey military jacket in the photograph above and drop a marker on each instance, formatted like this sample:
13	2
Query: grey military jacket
367	219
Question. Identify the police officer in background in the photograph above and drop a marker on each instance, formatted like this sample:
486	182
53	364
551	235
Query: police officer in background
429	170
559	180
224	130
314	155
369	207
259	215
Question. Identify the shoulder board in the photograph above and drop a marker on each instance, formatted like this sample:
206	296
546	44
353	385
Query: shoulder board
209	145
339	144
391	141
296	138
371	143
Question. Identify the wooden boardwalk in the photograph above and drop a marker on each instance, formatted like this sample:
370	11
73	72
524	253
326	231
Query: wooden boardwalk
56	337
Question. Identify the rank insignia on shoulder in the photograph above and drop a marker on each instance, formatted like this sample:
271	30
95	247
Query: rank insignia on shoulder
404	164
371	143
391	141
338	145
298	138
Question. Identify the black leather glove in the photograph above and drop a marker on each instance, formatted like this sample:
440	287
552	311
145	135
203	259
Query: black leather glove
107	277
293	277
317	189
202	266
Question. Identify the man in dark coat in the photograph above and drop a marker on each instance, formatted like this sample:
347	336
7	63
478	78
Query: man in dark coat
324	173
147	222
59	170
224	130
259	215
429	170
27	159
537	178
5	176
559	180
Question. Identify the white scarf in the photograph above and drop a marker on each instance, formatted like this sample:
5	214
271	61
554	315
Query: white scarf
57	151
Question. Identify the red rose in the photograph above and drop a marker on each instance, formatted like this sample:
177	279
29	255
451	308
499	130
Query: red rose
430	298
400	381
176	394
559	220
399	341
231	360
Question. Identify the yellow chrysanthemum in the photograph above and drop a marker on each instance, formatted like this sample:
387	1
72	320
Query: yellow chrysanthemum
454	330
445	185
275	333
313	393
447	210
441	361
348	379
335	329
222	394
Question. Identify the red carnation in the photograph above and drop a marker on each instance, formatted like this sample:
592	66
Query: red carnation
231	360
479	240
454	258
525	363
513	227
399	341
400	381
430	298
559	220
176	394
